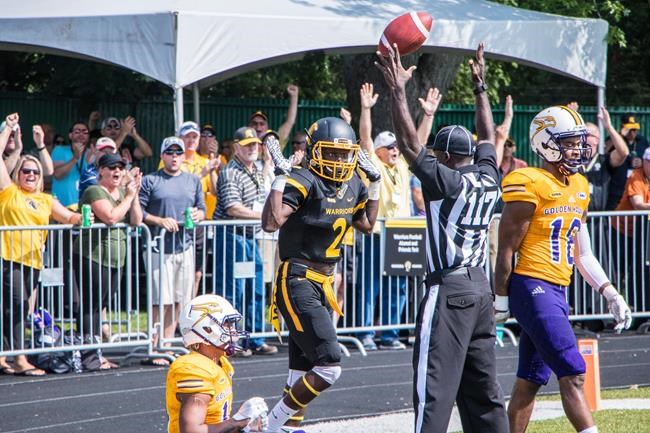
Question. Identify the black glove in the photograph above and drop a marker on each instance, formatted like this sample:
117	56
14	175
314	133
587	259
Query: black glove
365	164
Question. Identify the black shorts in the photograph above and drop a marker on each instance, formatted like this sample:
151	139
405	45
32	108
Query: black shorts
304	307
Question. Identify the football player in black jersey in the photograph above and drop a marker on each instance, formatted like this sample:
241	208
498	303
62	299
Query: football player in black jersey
313	208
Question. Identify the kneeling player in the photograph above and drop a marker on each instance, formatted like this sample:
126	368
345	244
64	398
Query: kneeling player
199	384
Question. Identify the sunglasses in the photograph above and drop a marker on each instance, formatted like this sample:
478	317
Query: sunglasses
30	171
115	167
177	152
59	142
207	134
113	127
80	131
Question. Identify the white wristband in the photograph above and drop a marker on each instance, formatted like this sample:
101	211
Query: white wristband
609	292
373	190
279	182
501	303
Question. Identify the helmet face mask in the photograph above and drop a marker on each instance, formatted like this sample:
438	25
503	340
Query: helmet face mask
334	149
551	132
211	319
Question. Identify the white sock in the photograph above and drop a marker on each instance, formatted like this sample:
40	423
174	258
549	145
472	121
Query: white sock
592	429
279	415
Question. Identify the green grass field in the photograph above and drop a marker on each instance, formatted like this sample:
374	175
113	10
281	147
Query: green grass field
610	421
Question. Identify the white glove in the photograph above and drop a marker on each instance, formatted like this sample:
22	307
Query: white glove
255	410
618	308
272	142
501	308
365	164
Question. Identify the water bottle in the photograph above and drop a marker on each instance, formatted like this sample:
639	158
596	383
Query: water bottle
189	222
85	215
76	362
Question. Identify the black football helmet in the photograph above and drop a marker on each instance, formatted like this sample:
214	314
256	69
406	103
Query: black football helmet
334	149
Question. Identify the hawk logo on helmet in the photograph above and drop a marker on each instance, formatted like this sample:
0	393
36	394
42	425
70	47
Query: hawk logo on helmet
206	310
544	122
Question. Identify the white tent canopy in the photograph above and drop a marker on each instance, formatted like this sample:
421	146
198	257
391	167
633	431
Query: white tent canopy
203	41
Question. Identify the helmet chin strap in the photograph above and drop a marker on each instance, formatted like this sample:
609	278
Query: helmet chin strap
570	170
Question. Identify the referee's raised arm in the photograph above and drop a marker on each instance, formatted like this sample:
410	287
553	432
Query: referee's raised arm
396	78
483	114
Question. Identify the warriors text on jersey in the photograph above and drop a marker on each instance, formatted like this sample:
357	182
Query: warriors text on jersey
546	251
197	374
323	212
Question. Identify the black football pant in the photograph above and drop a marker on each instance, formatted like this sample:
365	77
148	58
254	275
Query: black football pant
454	356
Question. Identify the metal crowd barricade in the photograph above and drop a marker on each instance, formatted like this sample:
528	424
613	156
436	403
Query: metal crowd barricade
69	288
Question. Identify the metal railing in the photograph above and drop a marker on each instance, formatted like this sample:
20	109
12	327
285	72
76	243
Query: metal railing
234	259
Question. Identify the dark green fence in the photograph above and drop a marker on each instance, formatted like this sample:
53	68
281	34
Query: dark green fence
155	117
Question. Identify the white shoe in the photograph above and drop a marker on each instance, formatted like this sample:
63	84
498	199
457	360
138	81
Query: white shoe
287	429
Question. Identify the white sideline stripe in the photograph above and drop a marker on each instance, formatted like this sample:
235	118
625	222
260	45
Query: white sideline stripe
419	24
423	356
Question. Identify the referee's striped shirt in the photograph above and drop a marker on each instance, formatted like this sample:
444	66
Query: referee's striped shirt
459	206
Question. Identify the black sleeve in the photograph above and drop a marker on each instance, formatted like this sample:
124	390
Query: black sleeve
438	181
296	189
486	159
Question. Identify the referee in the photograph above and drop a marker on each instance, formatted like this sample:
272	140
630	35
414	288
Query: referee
454	356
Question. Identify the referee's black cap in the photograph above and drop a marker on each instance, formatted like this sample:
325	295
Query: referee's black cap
454	139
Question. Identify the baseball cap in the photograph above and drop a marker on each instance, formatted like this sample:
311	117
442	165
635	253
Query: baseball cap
105	142
208	128
646	154
110	120
187	127
246	135
629	122
385	139
259	113
455	139
109	160
171	141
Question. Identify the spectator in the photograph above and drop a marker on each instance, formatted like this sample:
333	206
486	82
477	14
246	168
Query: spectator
299	148
69	162
259	121
89	176
23	203
131	146
225	149
205	169
164	197
100	256
637	144
630	230
394	202
240	195
596	170
417	200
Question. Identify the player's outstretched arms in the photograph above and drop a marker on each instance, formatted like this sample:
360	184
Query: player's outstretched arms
396	78
595	276
513	226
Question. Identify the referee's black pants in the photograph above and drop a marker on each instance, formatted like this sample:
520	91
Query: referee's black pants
454	356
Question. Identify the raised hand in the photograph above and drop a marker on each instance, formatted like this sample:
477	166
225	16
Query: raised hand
605	119
477	66
293	90
272	144
345	115
431	102
12	120
128	125
38	135
367	96
394	73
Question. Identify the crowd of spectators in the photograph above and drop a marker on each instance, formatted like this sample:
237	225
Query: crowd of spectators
199	178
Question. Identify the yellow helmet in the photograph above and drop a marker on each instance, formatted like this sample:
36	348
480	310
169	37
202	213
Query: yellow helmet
334	149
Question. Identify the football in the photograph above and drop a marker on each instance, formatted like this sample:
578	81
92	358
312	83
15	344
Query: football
408	31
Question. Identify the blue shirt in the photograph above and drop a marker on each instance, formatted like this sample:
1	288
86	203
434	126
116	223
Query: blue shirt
66	189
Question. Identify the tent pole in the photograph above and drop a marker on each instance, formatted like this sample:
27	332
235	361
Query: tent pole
601	103
196	94
178	107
